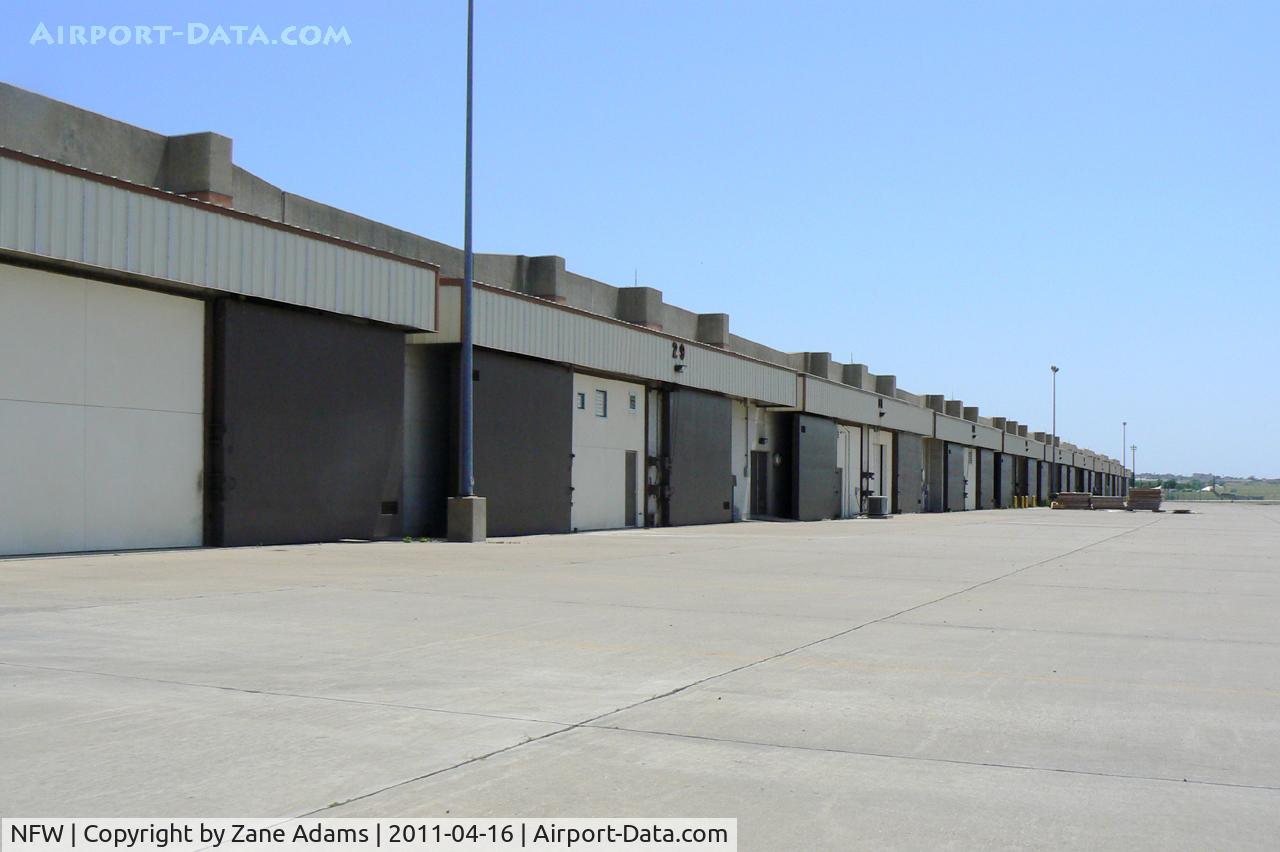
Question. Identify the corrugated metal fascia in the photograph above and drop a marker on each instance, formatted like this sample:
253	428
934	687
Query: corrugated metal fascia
855	405
526	325
840	402
51	211
512	322
1024	447
959	431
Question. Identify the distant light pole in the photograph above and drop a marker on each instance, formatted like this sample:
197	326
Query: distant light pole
1053	436
1124	439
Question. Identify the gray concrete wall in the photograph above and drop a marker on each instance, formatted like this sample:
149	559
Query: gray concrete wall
43	127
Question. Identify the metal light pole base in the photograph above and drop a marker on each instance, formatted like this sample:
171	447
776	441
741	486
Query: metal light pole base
467	519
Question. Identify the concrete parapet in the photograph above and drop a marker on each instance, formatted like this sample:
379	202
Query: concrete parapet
714	329
817	363
886	385
199	165
856	375
640	305
545	278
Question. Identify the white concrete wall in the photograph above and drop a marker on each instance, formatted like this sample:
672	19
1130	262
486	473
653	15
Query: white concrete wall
599	453
101	415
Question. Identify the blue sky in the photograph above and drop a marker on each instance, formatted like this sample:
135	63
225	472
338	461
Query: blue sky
957	193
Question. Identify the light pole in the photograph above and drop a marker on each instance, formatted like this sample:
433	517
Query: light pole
466	513
1124	439
1053	435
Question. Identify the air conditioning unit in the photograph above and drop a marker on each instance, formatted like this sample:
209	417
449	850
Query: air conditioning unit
877	506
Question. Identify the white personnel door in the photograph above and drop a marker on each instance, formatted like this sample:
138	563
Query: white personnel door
101	415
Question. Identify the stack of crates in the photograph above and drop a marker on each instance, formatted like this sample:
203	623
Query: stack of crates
1073	500
1145	499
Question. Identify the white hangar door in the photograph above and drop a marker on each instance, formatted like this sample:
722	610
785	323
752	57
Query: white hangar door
849	460
970	479
608	453
101	415
879	463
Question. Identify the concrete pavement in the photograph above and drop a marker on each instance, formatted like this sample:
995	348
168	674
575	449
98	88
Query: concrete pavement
997	679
